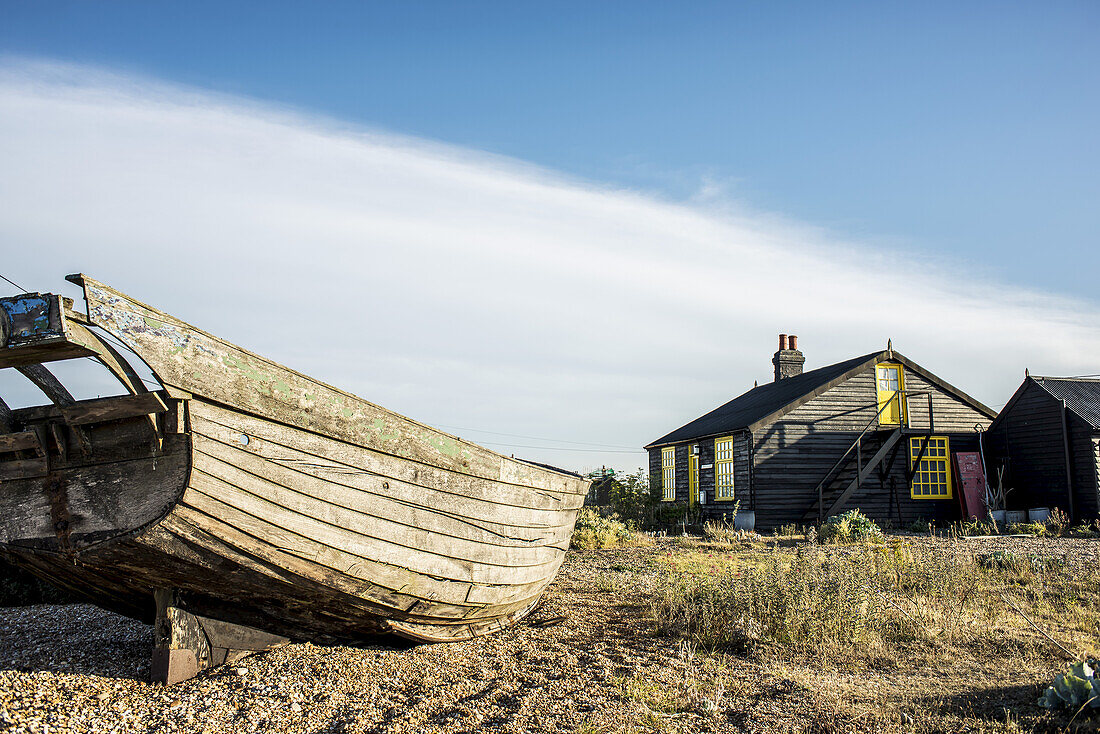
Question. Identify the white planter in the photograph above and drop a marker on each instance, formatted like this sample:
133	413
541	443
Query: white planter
1038	514
745	520
1015	516
998	516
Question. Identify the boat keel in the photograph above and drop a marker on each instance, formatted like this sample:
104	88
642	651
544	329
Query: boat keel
187	644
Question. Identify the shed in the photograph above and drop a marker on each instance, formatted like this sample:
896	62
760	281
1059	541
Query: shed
876	431
1047	442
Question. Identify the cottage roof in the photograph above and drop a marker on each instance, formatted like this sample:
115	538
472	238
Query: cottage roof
1082	395
769	402
762	401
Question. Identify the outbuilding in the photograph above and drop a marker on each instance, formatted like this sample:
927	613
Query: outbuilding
1046	445
876	432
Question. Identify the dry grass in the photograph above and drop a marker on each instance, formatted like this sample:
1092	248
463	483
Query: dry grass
968	637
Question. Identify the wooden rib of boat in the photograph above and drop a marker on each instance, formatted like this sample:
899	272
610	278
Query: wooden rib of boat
243	504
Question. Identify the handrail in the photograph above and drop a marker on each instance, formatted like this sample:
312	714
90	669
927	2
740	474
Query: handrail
859	438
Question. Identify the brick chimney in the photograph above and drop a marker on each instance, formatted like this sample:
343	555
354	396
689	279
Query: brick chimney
788	360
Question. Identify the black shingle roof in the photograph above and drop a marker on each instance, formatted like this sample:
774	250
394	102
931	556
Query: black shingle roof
1082	396
761	402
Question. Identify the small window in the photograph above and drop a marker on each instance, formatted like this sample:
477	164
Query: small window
932	478
668	473
723	468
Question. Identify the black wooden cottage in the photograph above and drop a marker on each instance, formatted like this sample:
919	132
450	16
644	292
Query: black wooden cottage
1047	441
874	432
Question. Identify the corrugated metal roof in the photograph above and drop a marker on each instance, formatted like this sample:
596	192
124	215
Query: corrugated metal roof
760	402
1082	395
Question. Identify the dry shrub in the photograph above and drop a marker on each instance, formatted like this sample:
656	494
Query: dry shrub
721	532
593	531
850	527
790	531
863	598
1057	522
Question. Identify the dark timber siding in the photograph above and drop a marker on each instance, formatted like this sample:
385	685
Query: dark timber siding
1027	439
793	454
741	478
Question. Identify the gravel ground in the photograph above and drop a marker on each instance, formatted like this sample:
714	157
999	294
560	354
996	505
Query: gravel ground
585	660
78	668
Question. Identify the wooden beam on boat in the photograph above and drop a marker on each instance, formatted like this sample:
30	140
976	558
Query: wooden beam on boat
20	441
5	417
97	410
23	469
45	381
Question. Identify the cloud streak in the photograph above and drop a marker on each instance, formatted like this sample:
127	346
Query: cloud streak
465	289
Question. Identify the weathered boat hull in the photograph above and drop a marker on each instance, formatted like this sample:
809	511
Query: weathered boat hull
260	497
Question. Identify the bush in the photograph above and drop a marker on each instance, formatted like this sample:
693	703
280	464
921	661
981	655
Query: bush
790	531
850	527
1057	522
593	530
972	528
1027	528
722	532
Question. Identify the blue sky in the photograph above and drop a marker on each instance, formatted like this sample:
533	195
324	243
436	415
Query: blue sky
580	223
962	130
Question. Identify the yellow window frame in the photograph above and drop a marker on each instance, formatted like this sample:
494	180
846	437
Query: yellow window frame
723	469
932	479
693	473
668	474
893	416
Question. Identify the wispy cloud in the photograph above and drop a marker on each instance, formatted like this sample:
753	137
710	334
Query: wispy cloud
465	289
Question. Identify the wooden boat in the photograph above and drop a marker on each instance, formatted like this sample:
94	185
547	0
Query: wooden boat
243	504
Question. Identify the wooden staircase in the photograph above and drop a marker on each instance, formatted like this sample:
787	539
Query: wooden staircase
829	500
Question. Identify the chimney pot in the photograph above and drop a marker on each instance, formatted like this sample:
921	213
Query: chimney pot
788	360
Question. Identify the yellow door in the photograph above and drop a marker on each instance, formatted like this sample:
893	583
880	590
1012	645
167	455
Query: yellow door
693	475
890	381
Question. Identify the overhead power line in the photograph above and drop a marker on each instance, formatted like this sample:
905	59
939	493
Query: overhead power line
535	438
21	288
563	448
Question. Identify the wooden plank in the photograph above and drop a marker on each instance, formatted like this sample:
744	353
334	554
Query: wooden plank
23	469
51	350
19	441
394	589
45	381
5	417
385	479
310	450
425	512
372	528
96	410
300	531
100	501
